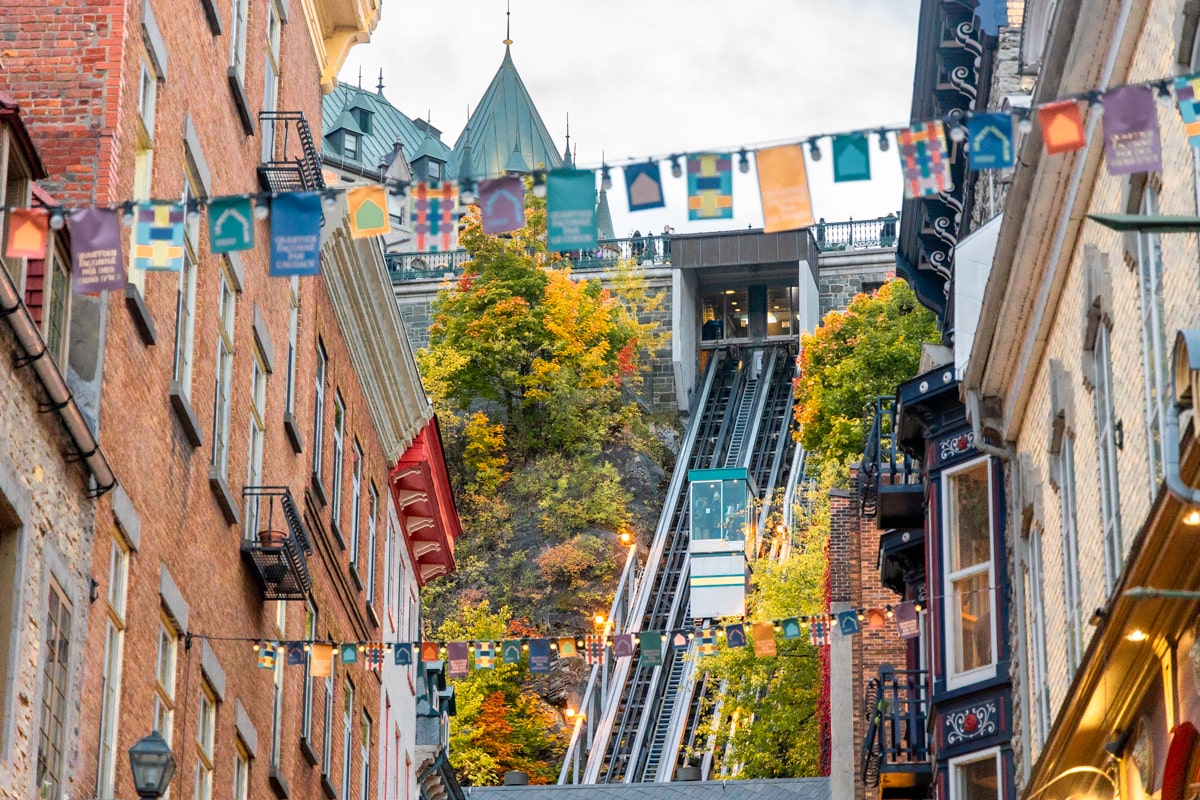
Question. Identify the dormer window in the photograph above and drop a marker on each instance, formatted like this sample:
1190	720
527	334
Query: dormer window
435	171
352	146
363	117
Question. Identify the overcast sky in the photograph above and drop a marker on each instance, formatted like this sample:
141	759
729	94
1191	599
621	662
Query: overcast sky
657	77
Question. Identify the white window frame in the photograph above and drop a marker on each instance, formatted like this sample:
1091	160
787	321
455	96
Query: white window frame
364	754
319	410
111	668
241	770
223	383
185	299
165	673
277	711
327	742
56	301
306	708
1155	355
206	727
955	765
356	455
293	336
1039	688
347	736
339	460
147	96
258	438
1064	463
271	72
955	678
372	521
54	684
1110	491
239	22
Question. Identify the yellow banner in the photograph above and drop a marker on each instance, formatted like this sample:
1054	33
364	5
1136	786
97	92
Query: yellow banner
783	184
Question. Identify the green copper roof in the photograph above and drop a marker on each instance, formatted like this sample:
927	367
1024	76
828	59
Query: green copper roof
388	124
504	119
604	223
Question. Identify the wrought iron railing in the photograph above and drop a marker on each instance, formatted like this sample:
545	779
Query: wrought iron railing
897	708
278	547
857	234
883	462
292	162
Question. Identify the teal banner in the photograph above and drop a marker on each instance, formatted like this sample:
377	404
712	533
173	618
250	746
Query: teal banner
571	210
230	224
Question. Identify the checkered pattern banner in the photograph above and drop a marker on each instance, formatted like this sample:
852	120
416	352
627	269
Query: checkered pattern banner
925	160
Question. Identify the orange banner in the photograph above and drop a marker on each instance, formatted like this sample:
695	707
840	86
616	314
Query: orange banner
783	184
764	638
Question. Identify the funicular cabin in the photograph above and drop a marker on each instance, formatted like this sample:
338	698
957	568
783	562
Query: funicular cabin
721	520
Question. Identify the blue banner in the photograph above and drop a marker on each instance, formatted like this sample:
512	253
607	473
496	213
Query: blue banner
643	186
571	210
295	234
990	138
539	655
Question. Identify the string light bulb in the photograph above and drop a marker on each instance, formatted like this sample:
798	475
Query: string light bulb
605	178
1025	125
676	168
127	214
57	219
466	192
918	607
890	613
884	142
539	183
1164	95
814	150
193	212
957	133
329	199
743	161
262	208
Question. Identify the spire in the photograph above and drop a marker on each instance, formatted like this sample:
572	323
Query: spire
360	77
604	222
380	86
508	24
567	161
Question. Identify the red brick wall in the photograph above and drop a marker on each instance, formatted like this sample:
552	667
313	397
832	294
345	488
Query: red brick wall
74	68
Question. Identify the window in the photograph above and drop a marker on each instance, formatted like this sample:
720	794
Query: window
372	514
975	777
110	669
969	553
327	744
55	678
164	682
258	427
1039	689
435	170
350	145
237	38
1154	336
339	433
271	78
364	755
310	633
1110	494
57	306
206	726
241	771
355	506
185	298
390	555
293	333
1070	552
319	410
147	96
222	389
277	711
347	735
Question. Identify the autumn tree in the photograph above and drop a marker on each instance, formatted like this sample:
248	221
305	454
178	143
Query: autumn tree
855	356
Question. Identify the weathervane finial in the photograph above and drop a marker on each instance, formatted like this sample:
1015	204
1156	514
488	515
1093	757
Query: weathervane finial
508	23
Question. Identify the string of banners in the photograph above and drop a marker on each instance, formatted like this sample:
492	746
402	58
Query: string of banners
538	652
1130	127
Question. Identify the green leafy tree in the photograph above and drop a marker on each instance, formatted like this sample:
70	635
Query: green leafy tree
855	356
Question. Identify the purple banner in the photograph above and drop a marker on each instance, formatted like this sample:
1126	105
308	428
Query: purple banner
906	621
502	204
96	261
456	654
1131	141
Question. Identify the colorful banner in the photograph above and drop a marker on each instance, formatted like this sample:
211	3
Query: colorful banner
502	204
510	651
735	635
368	211
295	654
706	645
432	216
230	224
623	645
402	654
96	261
818	634
783	185
1131	140
679	640
791	628
295	234
924	160
1062	127
430	652
650	646
593	650
321	661
456	656
349	654
571	210
710	186
764	639
643	186
566	647
28	233
266	656
906	621
485	655
848	623
158	237
876	620
539	656
990	141
374	656
851	158
1188	98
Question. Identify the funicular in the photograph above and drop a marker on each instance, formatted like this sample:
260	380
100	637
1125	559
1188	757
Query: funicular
721	519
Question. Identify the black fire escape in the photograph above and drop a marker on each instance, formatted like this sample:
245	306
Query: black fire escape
294	162
895	752
890	487
278	551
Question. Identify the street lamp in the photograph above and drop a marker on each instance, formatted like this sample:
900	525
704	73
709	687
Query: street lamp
152	765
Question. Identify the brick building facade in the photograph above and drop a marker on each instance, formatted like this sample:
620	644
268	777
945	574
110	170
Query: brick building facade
202	385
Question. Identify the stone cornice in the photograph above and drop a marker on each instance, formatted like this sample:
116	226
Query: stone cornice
336	26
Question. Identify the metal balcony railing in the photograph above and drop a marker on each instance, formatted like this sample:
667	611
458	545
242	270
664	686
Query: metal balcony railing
860	234
291	160
897	738
278	550
886	470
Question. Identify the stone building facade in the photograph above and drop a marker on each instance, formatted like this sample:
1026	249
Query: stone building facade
279	475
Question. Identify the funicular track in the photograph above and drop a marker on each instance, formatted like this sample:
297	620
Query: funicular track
644	715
